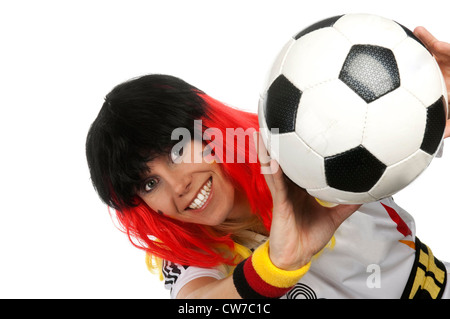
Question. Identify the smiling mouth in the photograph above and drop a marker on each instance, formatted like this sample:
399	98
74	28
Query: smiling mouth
202	196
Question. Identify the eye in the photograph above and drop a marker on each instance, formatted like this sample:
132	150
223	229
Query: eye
176	153
209	154
150	184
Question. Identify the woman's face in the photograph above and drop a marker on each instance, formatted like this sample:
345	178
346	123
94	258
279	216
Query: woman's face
188	188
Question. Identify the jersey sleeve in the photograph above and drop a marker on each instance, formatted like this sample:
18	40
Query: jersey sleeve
176	276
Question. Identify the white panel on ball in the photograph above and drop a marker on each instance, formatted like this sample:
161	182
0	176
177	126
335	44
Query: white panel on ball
331	118
418	72
397	116
397	177
275	70
371	29
300	162
308	64
340	197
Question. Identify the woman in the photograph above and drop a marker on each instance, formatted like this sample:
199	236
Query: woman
202	205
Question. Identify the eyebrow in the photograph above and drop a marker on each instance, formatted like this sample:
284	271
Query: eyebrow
146	173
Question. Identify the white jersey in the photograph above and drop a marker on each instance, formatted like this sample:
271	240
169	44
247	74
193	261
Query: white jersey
372	256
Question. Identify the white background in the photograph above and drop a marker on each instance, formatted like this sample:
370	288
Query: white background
58	59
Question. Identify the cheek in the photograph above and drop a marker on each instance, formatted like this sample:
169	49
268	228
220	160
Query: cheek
227	192
156	204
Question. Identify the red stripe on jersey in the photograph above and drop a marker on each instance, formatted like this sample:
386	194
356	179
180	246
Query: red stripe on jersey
401	225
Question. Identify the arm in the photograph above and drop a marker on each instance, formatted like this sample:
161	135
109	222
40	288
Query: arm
300	228
209	288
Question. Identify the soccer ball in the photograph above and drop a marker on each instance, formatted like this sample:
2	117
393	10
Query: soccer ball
354	108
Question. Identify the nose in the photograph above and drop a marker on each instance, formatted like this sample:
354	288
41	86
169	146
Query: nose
181	184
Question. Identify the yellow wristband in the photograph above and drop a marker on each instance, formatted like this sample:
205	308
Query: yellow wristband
273	275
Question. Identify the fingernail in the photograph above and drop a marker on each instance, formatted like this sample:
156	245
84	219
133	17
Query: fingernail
274	166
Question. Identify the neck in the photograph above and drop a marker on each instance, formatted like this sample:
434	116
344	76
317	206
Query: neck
243	216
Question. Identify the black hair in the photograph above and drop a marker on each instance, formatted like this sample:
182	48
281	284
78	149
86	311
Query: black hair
134	125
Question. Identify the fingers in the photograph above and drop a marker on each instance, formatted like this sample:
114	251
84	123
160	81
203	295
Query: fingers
447	129
439	48
264	159
425	36
271	170
279	182
268	166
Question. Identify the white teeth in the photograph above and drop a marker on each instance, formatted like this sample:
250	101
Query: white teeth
202	196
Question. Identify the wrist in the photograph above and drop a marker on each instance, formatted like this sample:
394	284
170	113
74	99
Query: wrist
285	261
281	275
258	277
290	266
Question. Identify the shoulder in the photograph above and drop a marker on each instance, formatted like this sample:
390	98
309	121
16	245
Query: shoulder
388	209
176	276
171	272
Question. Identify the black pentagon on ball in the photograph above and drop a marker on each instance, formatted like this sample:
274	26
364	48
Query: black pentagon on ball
281	104
435	126
370	71
355	170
